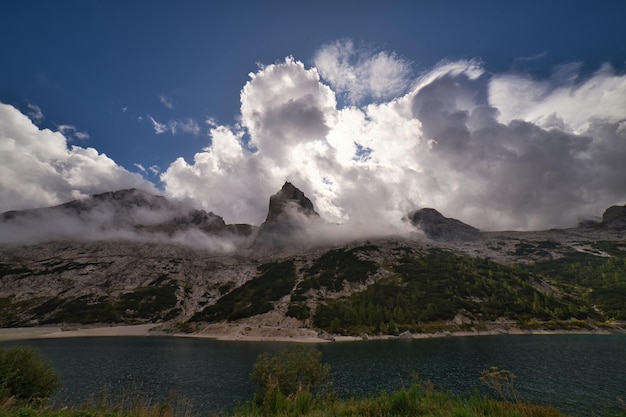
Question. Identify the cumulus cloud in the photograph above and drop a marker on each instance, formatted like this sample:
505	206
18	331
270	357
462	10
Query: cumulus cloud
225	178
37	168
499	151
495	150
564	103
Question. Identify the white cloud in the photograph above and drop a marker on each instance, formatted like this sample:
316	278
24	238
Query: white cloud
154	169
498	151
35	113
361	74
71	132
575	104
224	178
487	149
166	101
38	169
140	167
159	128
285	105
185	125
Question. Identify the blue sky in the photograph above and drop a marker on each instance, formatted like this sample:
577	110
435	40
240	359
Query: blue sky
146	82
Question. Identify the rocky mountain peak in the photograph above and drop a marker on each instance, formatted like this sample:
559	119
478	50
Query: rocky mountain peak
437	227
288	216
614	217
287	198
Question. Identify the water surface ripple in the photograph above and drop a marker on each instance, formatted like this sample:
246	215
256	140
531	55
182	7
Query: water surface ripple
579	374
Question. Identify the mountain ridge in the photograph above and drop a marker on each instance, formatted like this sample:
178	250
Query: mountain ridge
458	278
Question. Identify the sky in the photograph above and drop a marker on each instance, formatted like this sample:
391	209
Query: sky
505	115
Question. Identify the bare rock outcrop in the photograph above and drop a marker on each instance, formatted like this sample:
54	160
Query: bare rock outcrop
290	213
614	217
437	227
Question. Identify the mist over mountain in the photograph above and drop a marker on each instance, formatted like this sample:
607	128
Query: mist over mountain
291	221
125	214
289	214
132	257
137	215
132	214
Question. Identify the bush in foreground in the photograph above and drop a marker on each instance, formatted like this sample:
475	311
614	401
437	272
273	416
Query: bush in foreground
295	372
25	377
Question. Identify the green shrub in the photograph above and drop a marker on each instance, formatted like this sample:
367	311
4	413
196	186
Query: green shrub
298	311
293	371
257	296
336	266
25	376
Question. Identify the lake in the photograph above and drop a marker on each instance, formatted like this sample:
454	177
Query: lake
578	374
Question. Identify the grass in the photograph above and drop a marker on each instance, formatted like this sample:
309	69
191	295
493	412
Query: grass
104	407
408	402
416	400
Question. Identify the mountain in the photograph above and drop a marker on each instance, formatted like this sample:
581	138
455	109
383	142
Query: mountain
614	217
128	257
289	202
119	203
437	227
289	214
127	214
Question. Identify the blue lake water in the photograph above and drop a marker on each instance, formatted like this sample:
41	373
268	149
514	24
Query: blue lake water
579	374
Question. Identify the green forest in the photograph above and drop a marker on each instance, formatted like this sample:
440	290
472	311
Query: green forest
440	284
437	289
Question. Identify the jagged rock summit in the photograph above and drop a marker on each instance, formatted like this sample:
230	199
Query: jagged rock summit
132	213
289	213
437	227
285	201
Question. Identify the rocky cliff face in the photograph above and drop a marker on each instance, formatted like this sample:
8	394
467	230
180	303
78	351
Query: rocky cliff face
614	217
290	213
287	202
112	281
437	227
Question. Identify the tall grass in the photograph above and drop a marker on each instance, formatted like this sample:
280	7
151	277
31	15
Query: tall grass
416	400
